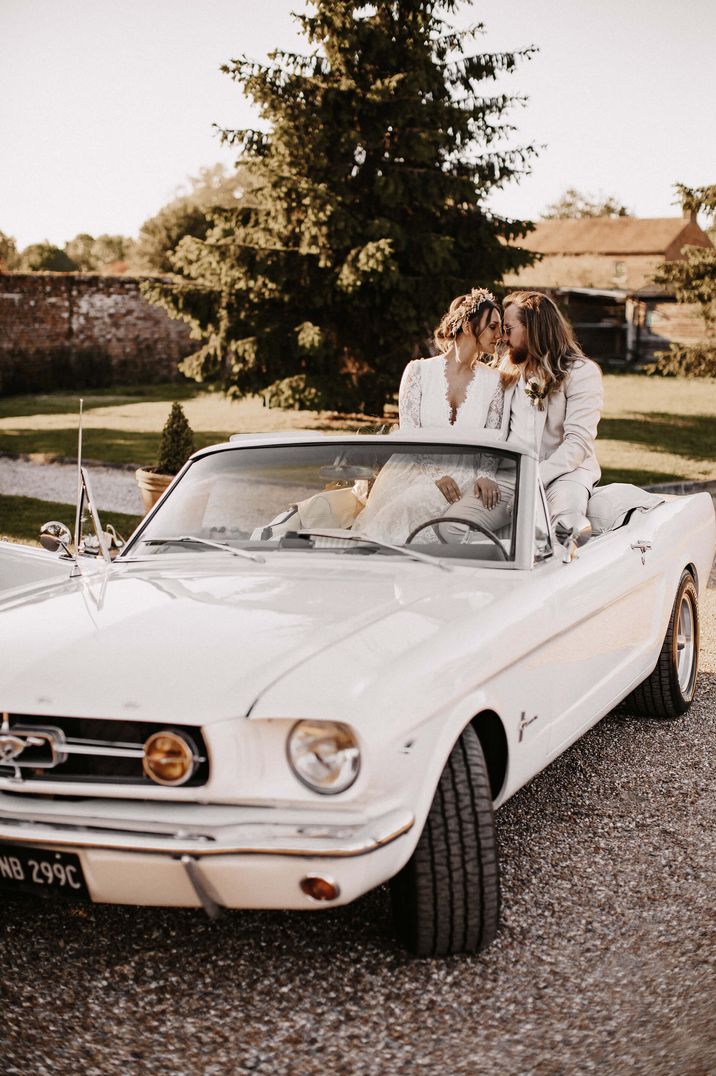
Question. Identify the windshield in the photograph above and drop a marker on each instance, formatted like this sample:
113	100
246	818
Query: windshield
421	496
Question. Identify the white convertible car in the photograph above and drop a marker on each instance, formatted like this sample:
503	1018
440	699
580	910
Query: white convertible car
256	706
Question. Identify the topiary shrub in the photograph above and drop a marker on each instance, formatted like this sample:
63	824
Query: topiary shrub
177	443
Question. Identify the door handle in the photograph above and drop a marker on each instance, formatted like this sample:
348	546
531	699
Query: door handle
642	544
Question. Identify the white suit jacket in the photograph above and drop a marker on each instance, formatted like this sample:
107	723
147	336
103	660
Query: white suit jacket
564	433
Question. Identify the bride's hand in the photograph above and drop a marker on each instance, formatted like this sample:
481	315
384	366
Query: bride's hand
449	488
488	491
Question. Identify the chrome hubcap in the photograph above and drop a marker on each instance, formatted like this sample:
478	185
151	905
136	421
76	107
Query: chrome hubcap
685	649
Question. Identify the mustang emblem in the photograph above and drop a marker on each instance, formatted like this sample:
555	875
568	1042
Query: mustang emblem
13	746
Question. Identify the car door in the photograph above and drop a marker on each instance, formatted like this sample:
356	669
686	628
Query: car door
605	606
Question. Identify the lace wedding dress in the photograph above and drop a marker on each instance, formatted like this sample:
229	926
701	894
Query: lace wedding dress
404	494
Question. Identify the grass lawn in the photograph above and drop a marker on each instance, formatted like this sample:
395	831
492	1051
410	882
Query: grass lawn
652	430
657	429
22	517
62	403
135	447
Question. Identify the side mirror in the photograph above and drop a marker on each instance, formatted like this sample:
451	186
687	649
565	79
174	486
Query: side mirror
55	537
572	531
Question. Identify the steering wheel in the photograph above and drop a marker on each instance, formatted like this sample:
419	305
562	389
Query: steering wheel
470	523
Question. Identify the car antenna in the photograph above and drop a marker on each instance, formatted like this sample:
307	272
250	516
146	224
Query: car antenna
86	497
78	510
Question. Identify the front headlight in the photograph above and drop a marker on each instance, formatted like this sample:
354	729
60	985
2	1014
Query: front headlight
324	755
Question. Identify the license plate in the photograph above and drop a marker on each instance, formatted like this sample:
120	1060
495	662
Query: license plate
41	872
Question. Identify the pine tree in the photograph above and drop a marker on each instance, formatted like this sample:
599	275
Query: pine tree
367	209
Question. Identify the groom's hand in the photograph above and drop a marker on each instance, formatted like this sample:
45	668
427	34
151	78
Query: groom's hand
488	491
449	488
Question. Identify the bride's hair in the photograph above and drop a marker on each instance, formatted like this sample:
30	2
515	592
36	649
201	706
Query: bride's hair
465	308
550	338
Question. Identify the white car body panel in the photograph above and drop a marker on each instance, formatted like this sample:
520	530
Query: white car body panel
403	652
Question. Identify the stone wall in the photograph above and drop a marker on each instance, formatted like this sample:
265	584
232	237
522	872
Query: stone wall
81	330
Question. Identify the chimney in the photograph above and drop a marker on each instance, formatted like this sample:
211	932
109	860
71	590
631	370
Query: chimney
689	215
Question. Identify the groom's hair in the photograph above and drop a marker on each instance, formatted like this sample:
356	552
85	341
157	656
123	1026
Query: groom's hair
550	338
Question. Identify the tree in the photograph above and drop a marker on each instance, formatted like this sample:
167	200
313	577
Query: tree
111	251
188	214
693	280
45	258
79	250
366	209
573	205
92	255
9	257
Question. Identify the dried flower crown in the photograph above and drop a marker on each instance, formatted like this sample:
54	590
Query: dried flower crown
467	310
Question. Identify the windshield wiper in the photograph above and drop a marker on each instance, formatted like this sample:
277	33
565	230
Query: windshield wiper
184	539
406	552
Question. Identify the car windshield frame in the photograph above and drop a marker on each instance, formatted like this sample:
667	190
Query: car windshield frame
334	446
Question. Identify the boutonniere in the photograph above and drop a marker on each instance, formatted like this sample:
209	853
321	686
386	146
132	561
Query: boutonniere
536	393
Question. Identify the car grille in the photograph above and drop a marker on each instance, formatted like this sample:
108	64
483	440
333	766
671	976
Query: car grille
92	736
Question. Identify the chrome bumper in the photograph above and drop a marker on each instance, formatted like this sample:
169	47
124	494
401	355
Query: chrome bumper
195	830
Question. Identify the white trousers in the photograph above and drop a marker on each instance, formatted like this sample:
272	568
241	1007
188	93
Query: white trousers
564	497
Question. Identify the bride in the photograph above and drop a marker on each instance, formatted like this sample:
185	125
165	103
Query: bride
451	389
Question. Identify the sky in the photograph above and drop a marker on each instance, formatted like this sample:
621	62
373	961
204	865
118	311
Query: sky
108	106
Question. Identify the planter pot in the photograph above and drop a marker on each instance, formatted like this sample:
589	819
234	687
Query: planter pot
151	485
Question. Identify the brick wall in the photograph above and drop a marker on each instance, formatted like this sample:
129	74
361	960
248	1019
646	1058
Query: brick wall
662	323
628	271
77	330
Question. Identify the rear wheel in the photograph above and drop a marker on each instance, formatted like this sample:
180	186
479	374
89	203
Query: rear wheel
446	899
670	689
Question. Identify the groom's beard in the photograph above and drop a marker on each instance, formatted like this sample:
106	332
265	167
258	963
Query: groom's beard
519	355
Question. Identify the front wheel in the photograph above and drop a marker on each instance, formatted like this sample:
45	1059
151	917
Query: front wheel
446	899
670	689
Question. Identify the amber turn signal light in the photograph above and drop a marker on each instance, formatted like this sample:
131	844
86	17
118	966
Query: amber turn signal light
317	887
169	759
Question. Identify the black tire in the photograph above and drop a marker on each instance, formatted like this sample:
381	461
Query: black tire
669	691
446	899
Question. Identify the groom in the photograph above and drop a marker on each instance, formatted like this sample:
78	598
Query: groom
556	405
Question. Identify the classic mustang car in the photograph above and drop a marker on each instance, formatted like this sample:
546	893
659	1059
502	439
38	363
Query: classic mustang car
256	705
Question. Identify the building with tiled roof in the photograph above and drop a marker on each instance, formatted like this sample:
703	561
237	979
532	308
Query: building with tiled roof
604	252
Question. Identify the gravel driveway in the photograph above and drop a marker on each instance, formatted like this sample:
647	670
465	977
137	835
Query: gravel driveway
604	963
115	488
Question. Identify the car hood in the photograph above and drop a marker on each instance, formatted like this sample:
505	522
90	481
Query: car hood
191	644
